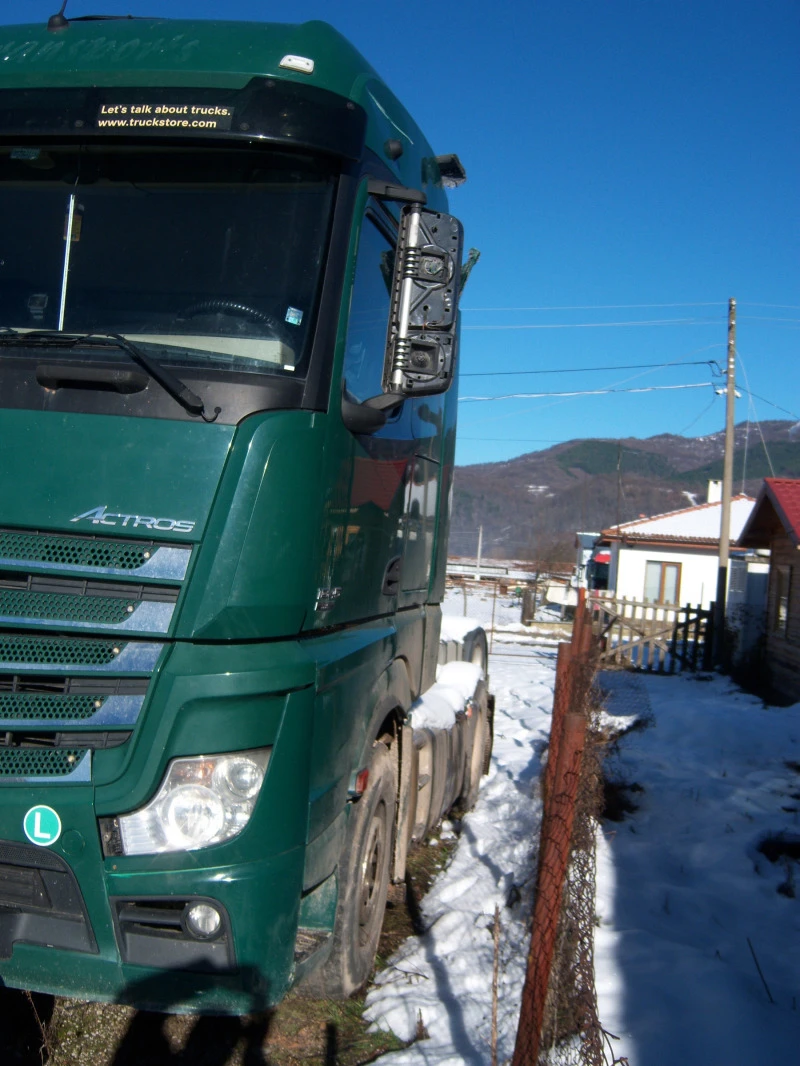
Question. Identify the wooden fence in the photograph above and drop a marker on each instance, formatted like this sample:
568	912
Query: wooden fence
662	637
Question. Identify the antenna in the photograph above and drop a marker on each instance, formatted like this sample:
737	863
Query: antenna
56	23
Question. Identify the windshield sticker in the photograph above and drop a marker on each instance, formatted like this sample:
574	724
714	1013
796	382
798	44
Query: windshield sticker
164	116
294	316
37	304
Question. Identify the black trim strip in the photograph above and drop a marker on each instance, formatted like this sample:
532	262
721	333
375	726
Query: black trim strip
267	109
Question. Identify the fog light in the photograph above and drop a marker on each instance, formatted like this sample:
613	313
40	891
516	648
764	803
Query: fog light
203	920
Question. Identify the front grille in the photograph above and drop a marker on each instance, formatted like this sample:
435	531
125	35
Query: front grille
32	598
39	762
63	697
57	651
56	654
32	702
39	585
37	551
40	708
99	687
105	610
65	582
74	551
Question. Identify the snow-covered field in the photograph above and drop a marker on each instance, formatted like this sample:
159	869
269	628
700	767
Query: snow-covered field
683	890
684	896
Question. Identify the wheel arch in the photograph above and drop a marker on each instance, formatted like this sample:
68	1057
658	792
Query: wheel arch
390	710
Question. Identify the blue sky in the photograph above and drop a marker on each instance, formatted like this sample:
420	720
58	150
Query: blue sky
632	164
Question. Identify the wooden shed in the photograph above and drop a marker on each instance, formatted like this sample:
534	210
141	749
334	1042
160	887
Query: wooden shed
774	523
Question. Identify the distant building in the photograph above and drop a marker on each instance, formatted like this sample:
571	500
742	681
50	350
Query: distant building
584	550
672	558
775	524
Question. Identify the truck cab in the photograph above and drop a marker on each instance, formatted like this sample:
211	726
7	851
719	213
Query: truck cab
228	352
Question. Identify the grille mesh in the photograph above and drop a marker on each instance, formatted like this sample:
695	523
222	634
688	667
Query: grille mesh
57	651
40	706
73	551
39	762
104	609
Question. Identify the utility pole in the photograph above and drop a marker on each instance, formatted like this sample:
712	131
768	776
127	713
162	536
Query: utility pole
480	552
727	487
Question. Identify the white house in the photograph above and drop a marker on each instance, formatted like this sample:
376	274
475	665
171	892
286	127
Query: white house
673	557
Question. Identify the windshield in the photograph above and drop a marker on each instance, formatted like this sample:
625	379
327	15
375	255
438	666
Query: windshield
211	258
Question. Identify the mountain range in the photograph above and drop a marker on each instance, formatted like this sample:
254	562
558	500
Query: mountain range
530	507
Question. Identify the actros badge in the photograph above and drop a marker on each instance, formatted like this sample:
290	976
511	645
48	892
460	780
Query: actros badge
99	516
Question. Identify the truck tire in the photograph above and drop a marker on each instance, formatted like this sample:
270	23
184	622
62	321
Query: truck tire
363	884
476	757
474	650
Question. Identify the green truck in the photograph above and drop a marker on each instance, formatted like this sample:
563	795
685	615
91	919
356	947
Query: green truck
228	327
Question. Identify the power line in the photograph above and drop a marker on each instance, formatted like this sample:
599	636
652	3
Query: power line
617	384
766	318
694	421
605	325
603	307
518	440
784	307
755	395
582	369
770	403
758	423
583	392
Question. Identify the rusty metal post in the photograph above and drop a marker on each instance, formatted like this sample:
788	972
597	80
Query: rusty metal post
553	859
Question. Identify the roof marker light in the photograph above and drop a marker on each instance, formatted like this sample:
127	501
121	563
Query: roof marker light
299	63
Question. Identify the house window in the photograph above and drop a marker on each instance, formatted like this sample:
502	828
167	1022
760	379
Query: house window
783	588
662	582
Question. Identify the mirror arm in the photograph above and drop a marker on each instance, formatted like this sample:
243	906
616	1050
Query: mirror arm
369	415
384	190
385	402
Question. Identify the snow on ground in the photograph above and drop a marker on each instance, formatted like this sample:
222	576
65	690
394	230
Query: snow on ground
477	602
682	886
447	973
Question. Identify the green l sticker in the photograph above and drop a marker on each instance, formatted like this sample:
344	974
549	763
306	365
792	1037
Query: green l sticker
42	826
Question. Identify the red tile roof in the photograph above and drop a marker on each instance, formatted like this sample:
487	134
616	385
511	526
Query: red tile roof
778	504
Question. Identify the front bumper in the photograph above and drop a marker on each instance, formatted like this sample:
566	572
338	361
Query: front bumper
61	941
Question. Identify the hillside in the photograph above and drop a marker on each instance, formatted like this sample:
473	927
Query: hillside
532	505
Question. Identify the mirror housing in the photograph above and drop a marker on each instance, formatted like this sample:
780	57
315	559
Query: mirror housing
426	283
421	343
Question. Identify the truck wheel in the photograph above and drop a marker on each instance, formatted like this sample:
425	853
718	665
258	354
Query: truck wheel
363	884
473	649
475	759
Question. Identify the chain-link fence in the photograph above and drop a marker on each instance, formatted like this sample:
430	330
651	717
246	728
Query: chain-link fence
558	1024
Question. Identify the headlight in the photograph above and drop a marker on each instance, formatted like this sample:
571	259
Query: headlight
201	801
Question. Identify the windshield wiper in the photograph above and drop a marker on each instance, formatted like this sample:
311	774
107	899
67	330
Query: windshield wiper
172	384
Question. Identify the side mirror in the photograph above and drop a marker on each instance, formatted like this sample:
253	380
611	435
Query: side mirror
421	343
